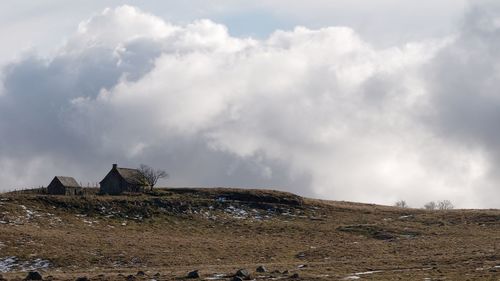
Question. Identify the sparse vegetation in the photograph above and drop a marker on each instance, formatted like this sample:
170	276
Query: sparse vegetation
401	204
445	205
150	175
430	205
440	205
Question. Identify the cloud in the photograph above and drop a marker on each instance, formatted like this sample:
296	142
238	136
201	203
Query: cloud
320	112
463	79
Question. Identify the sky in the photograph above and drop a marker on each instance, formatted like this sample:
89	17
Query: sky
368	101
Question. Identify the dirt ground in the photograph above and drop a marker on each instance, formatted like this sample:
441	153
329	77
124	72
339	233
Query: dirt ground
170	232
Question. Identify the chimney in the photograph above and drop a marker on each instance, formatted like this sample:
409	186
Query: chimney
115	166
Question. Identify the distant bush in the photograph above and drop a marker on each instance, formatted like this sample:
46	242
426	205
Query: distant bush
401	204
430	205
439	205
445	205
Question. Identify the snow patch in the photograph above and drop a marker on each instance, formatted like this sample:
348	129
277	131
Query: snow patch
13	263
357	275
216	277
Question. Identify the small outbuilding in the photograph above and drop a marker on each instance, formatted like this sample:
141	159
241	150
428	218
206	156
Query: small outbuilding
64	186
120	180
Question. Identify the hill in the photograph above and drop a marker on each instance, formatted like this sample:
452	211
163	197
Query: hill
170	232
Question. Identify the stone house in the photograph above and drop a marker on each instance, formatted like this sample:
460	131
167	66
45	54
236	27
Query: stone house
64	186
120	180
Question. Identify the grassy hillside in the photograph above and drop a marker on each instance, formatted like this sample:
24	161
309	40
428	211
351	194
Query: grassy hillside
170	232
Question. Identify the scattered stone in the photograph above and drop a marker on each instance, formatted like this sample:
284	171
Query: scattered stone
130	278
302	266
33	275
300	255
140	273
237	278
193	274
243	273
84	278
316	219
295	276
261	269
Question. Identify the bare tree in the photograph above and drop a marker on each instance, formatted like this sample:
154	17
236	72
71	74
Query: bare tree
445	205
430	205
151	175
401	204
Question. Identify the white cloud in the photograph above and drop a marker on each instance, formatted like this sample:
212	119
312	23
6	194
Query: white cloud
116	26
321	112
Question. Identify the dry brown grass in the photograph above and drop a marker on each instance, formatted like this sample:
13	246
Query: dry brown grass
169	232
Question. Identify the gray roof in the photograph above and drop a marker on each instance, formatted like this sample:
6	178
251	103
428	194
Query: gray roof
68	181
132	176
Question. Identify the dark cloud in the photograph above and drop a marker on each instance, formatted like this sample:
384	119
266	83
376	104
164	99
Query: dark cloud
464	78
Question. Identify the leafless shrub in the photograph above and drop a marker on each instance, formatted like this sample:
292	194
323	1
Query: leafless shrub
439	205
445	205
430	205
401	204
151	175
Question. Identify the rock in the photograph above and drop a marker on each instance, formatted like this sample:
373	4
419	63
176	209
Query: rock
261	269
193	274
285	272
302	266
140	273
383	235
130	278
84	278
33	275
236	278
243	274
295	276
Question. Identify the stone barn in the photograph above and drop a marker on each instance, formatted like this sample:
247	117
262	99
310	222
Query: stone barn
64	186
120	180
